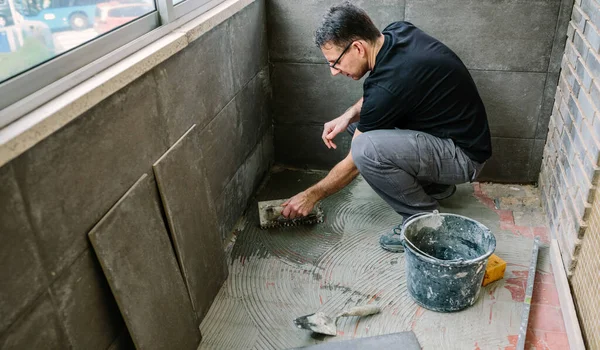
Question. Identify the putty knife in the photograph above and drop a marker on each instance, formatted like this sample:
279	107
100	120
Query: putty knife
323	324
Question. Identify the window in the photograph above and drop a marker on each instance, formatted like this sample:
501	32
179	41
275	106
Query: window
43	29
43	41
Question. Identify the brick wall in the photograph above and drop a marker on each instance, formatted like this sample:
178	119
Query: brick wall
570	172
585	279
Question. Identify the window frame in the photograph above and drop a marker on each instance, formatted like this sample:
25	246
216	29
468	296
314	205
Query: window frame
31	89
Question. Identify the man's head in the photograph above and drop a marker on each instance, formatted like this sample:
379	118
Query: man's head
346	37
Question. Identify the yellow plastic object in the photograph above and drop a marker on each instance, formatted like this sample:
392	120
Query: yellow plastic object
494	270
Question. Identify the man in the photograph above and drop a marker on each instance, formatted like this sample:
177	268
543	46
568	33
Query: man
420	127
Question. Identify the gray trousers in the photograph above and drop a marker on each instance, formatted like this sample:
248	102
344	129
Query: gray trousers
397	163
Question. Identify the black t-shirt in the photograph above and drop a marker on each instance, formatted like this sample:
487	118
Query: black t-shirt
419	84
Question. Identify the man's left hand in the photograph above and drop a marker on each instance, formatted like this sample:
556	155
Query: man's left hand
299	205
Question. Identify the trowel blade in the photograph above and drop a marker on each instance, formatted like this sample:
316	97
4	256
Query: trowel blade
318	323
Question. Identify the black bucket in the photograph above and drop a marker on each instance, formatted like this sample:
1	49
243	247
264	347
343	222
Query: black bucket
446	256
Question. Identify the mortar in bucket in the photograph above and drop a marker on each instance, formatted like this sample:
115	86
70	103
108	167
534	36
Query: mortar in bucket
446	256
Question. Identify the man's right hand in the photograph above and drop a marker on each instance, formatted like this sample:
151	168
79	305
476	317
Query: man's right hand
339	124
333	128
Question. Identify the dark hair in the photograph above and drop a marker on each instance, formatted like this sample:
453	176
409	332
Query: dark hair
345	23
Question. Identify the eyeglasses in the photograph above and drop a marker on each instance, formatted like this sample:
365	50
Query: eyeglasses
332	66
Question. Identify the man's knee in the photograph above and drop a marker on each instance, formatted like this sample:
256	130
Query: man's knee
363	151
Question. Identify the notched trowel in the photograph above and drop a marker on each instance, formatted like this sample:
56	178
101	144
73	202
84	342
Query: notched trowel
321	323
270	215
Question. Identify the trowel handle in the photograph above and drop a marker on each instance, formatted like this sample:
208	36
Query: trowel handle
365	310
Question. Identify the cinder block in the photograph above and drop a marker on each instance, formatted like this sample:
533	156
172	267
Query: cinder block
571	53
570	31
574	83
184	101
38	328
566	81
583	181
580	45
73	177
595	95
575	112
592	36
21	269
565	115
133	246
596	126
291	36
579	146
578	18
512	101
86	305
592	145
567	145
192	219
548	101
585	104
593	63
308	94
248	35
510	161
592	10
584	75
302	146
488	27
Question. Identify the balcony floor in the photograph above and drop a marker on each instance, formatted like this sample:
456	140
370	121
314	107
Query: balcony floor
278	275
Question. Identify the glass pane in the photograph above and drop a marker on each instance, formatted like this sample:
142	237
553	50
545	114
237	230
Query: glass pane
33	31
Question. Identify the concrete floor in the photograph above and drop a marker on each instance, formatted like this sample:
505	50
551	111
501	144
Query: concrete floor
278	275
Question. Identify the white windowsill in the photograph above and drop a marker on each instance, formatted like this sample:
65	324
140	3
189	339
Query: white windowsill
27	131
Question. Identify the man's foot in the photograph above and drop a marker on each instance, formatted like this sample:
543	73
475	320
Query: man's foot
391	241
438	191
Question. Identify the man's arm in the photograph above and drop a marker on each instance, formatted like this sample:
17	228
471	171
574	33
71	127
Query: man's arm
339	177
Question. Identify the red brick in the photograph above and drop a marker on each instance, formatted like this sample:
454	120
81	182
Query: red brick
558	341
546	294
546	318
506	216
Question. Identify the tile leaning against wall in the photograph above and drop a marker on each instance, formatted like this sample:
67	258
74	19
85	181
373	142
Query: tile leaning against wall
67	183
508	45
60	188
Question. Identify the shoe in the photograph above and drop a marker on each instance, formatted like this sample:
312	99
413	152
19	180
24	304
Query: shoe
439	192
391	241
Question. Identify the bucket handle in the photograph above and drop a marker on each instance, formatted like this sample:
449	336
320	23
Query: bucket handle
403	238
414	216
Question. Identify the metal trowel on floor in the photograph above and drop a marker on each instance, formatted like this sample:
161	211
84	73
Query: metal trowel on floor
270	215
321	323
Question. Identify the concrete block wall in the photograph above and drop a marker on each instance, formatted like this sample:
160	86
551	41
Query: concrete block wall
513	49
53	293
570	171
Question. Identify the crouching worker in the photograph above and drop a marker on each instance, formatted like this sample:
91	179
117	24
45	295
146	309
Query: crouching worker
420	127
